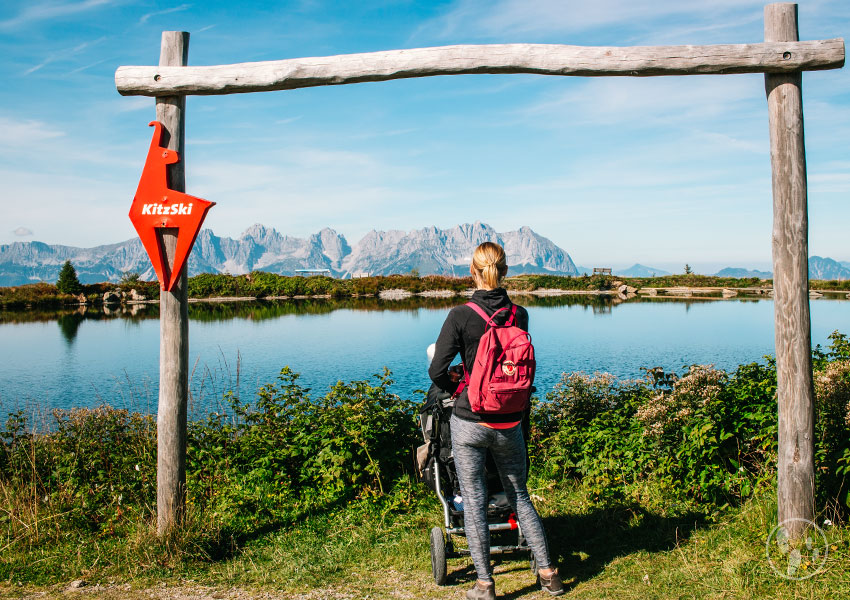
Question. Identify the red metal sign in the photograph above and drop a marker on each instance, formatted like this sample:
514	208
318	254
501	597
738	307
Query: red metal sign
155	206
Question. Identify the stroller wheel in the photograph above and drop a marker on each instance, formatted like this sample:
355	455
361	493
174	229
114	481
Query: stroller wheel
438	556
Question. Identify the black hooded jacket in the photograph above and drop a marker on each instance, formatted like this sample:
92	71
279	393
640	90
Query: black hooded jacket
461	333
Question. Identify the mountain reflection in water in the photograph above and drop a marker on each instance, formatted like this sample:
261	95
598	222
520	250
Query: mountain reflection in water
94	355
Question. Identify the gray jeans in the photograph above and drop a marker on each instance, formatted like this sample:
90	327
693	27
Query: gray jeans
470	442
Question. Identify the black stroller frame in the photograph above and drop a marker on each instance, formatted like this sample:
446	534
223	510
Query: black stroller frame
438	473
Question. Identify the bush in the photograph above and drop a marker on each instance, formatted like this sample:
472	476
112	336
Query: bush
210	285
287	454
707	437
585	430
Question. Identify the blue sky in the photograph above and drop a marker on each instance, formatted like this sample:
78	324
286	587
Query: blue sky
660	171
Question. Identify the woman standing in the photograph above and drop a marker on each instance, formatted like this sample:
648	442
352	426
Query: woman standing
473	434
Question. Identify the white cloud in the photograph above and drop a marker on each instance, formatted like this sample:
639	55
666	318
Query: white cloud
85	67
725	141
146	17
483	18
134	103
302	189
22	232
63	206
41	149
45	11
287	121
833	183
15	133
64	55
657	99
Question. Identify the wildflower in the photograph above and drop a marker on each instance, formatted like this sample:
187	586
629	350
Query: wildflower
137	467
827	523
670	408
832	388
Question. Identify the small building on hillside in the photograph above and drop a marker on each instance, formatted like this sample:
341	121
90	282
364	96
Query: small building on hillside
310	272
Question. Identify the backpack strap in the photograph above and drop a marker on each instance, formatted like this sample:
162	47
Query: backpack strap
488	319
512	318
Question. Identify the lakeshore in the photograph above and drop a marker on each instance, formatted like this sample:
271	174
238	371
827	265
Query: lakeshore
266	286
82	355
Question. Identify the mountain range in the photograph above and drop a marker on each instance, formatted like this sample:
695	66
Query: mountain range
259	248
428	251
819	268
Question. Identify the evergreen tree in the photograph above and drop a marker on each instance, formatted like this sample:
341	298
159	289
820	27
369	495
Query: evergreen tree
688	270
68	282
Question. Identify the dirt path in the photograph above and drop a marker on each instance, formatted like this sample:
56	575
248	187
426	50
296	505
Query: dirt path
512	580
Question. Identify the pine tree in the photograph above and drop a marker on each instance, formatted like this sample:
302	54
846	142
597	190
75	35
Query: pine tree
688	270
68	282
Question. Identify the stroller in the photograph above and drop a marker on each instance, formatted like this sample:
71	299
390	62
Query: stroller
435	466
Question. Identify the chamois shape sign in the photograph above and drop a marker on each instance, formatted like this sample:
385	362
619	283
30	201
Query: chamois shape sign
156	206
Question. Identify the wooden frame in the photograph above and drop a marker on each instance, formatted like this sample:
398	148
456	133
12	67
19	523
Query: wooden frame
782	58
541	59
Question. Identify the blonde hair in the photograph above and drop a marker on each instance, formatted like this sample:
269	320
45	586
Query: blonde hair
489	265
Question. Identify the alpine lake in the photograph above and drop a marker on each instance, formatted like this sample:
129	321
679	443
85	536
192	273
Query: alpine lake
88	356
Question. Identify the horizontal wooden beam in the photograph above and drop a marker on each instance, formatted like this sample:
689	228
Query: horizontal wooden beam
542	59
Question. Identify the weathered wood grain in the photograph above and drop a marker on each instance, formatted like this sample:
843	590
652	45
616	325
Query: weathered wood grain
543	59
173	318
796	481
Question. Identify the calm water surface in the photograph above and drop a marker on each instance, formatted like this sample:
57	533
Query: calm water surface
63	360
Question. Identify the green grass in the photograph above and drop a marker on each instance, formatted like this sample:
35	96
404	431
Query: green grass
379	549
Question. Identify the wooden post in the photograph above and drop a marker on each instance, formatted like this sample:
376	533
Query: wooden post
795	394
173	317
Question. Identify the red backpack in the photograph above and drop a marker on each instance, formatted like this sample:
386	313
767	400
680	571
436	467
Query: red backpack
503	372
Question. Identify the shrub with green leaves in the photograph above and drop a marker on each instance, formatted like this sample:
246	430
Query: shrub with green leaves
287	454
708	436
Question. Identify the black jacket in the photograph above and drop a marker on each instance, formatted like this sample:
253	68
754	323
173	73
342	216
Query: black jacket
461	333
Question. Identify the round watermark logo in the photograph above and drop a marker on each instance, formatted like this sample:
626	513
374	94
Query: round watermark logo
797	559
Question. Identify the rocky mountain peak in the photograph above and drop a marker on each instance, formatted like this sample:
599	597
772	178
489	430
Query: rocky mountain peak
429	250
261	234
332	244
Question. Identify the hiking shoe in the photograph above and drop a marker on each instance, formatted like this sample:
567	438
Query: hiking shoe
551	584
487	592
